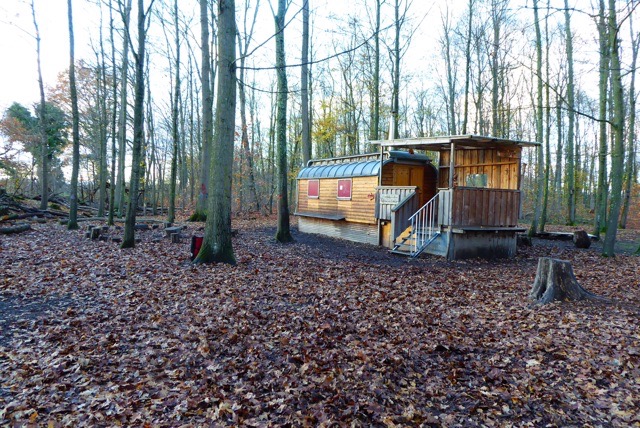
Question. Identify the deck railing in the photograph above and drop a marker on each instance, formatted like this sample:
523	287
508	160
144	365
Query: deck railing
424	224
471	206
401	213
389	197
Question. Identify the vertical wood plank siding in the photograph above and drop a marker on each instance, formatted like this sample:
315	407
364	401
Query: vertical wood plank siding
472	206
502	167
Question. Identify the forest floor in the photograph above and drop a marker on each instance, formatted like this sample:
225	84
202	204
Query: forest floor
319	332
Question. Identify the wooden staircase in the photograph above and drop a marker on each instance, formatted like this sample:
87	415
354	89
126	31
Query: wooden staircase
414	242
422	231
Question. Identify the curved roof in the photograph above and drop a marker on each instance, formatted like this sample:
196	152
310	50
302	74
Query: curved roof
366	168
352	169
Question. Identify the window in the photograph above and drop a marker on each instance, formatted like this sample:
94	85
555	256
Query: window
313	189
476	180
344	189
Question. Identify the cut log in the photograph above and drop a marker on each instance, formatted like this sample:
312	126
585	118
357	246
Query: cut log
15	229
175	238
141	226
171	230
581	239
555	281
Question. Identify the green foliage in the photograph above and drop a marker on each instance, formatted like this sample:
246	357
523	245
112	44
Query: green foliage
198	216
54	206
20	125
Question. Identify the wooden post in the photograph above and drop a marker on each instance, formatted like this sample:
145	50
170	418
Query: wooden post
452	164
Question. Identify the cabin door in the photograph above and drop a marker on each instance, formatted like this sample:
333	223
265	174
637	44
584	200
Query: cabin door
409	175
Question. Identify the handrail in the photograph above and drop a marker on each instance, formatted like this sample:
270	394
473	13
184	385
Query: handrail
404	201
423	224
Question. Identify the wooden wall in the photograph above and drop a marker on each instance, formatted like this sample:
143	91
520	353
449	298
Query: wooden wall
501	166
360	208
425	177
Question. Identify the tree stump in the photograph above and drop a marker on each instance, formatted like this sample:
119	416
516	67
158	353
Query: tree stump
555	281
581	239
171	230
95	233
175	238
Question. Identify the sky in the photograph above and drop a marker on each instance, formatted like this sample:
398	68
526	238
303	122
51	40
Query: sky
18	76
18	46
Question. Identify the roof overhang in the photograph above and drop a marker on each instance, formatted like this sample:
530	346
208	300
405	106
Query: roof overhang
460	142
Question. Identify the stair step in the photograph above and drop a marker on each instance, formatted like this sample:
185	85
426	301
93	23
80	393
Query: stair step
400	252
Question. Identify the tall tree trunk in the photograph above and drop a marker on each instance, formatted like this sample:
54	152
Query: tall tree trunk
122	121
102	89
247	165
539	125
73	205
207	114
467	72
547	132
44	140
602	186
374	133
283	234
128	240
395	100
617	127
304	86
571	175
629	172
217	245
175	134
114	116
496	16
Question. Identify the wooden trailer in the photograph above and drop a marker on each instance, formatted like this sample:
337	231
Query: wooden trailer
338	197
476	208
466	207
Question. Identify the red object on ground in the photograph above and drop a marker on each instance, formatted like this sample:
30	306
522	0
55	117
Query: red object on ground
196	243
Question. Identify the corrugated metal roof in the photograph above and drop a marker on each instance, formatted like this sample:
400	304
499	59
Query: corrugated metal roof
355	169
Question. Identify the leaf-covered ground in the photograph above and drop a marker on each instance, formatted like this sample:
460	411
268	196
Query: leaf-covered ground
316	333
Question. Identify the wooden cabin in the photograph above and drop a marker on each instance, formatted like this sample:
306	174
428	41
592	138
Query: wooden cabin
338	197
466	206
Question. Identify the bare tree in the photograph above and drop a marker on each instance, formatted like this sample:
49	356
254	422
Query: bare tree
217	245
137	160
44	140
304	86
73	206
539	124
283	234
617	127
571	176
248	170
207	114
